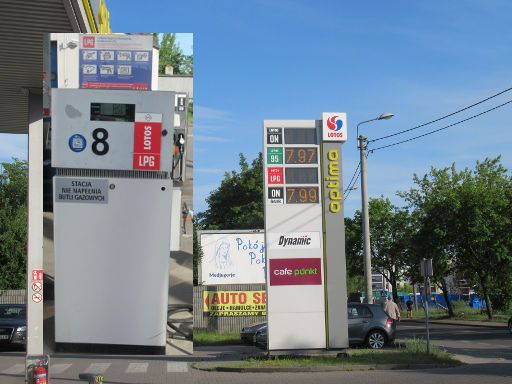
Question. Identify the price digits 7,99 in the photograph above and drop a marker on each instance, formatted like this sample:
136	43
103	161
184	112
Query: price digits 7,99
301	195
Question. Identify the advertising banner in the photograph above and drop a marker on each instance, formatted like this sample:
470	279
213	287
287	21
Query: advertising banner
235	303
115	61
306	271
232	258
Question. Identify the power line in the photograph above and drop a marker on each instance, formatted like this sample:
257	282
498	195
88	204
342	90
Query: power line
350	189
352	178
443	117
440	129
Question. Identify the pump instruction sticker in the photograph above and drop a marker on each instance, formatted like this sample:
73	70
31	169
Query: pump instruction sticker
115	61
78	190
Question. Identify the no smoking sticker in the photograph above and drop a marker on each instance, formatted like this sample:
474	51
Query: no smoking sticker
37	286
37	297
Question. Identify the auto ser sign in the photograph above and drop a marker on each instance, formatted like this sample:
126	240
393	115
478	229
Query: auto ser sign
235	303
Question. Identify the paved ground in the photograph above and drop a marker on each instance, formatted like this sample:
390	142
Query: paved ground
488	350
477	344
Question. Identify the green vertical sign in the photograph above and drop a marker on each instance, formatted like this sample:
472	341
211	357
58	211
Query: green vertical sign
274	155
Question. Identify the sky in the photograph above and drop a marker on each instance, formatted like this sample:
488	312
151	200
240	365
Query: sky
267	59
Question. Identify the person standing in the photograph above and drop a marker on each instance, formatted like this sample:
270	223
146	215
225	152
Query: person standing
184	214
392	309
409	305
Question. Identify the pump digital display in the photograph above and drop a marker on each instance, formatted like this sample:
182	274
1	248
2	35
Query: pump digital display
301	155
112	112
300	136
301	195
301	175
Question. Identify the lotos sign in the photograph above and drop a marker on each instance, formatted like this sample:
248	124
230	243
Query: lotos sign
334	126
306	271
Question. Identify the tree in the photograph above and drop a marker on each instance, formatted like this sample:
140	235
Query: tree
353	247
13	224
390	233
171	54
466	223
238	202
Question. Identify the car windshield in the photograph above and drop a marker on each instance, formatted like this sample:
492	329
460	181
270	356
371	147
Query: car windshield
14	312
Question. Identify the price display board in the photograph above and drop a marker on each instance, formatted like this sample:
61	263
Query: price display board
304	234
114	130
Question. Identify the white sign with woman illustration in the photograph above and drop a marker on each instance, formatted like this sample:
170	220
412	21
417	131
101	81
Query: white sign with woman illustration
232	257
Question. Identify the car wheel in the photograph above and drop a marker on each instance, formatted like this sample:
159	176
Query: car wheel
376	339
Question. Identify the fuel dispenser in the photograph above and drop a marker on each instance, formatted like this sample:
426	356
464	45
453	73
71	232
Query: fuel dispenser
112	151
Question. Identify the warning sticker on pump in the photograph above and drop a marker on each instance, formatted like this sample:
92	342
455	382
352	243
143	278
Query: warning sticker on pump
78	190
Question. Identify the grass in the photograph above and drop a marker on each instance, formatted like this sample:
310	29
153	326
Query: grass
462	312
414	352
214	338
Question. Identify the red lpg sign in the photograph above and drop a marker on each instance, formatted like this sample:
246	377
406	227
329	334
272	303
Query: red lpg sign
88	41
305	271
275	175
334	126
147	141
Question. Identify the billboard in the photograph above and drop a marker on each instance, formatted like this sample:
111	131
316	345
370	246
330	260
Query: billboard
235	303
232	257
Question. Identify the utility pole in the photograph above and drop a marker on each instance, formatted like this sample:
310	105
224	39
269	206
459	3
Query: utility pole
366	217
366	223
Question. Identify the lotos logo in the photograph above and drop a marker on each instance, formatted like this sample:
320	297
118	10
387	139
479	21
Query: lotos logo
305	271
334	126
88	41
334	123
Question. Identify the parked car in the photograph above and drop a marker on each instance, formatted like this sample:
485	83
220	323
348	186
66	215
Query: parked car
368	325
13	325
247	333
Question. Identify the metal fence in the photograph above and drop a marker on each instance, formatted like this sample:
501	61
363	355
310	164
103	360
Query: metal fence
223	324
13	296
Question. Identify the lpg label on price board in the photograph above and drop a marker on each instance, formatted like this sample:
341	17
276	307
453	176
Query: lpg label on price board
76	190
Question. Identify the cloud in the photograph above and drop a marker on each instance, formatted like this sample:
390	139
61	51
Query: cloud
210	139
206	113
13	145
210	170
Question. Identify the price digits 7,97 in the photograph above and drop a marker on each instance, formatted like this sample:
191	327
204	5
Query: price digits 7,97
301	155
301	195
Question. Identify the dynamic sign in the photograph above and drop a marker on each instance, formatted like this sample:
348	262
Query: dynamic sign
306	271
294	240
235	303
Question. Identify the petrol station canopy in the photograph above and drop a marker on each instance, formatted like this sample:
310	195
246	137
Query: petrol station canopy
21	43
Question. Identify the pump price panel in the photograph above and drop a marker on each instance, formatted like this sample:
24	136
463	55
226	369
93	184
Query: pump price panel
114	130
292	159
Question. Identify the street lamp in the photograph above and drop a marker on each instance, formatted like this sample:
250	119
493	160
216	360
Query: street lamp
366	217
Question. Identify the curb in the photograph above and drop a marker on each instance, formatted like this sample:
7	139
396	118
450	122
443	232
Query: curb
327	368
459	323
